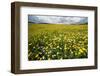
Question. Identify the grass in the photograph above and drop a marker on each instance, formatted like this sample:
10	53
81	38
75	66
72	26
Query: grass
57	41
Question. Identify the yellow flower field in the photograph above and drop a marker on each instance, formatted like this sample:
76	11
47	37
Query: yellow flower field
57	41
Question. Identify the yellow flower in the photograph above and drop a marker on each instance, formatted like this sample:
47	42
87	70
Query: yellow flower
57	46
60	48
36	56
43	57
48	58
65	47
30	44
65	38
57	53
81	50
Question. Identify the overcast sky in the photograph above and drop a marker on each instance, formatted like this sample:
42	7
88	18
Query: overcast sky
57	19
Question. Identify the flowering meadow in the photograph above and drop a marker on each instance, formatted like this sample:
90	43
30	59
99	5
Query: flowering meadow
57	41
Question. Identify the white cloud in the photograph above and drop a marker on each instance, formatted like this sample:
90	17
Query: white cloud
57	19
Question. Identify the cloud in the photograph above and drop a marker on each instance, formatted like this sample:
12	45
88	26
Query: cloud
57	19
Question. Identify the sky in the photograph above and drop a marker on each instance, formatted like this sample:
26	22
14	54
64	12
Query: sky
57	19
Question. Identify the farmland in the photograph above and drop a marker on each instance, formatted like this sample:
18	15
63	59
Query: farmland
57	41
